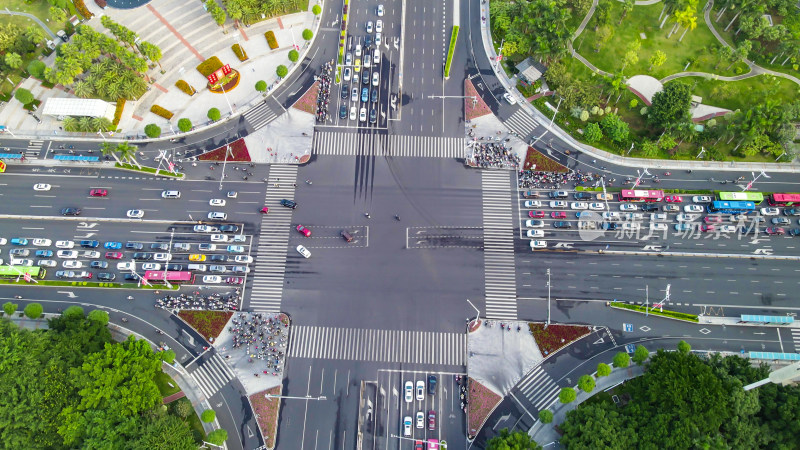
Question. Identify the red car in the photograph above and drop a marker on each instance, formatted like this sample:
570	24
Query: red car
98	192
558	215
775	230
234	280
673	199
264	210
431	420
306	232
113	255
535	214
712	219
418	445
707	228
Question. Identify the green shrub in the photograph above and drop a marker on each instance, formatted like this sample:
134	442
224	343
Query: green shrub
10	308
586	383
450	51
209	66
118	111
239	52
261	86
294	55
208	416
36	69
33	310
281	71
621	360
163	112
545	416
684	347
152	130
24	96
217	437
81	7
214	114
184	124
308	34
640	355
271	41
185	87
567	395
316	9
603	370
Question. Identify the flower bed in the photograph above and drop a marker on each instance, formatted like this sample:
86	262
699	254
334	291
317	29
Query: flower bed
266	410
480	109
208	323
481	403
308	102
556	336
543	163
238	153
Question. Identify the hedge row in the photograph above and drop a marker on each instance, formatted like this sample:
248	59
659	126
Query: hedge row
81	7
657	312
273	43
155	109
209	66
239	52
118	111
184	86
450	51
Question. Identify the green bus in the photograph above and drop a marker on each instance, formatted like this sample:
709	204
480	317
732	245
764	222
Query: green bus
19	271
755	197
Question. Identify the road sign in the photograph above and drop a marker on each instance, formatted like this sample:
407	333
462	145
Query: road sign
630	348
627	327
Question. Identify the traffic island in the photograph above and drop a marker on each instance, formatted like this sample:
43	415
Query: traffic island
149	170
238	152
267	413
208	323
656	311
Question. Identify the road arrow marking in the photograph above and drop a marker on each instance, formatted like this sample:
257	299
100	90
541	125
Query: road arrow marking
763	251
563	245
70	294
652	248
87	225
599	341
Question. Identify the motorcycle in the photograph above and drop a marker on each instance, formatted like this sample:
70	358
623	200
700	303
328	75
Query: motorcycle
264	210
666	174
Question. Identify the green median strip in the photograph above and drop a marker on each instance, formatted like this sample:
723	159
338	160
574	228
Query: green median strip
161	172
96	284
450	51
656	312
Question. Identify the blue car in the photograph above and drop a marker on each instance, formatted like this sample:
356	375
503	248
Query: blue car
235	249
583	214
44	253
113	245
19	241
365	95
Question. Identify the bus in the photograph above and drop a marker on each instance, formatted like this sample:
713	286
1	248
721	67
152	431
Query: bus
640	195
783	199
2	166
19	271
755	197
157	276
731	207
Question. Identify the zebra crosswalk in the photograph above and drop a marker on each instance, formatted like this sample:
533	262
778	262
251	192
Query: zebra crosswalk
538	388
498	246
396	346
522	123
212	374
270	260
796	339
259	116
378	144
34	148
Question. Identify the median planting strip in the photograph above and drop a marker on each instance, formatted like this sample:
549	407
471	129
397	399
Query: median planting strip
656	312
88	284
450	51
150	170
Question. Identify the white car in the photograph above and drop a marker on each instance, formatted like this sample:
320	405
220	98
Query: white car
151	266
65	244
135	213
346	74
683	217
701	199
533	204
693	208
511	100
378	39
420	420
353	111
727	229
579	205
611	215
238	238
420	390
558	204
212	279
72	264
379	26
362	115
597	206
46	263
369	26
658	227
380	11
535	233
655	217
634	216
408	392
216	215
358	50
538	244
204	229
407	426
91	254
770	211
534	223
219	238
630	226
126	266
21	262
67	254
243	259
3	241
41	187
216	202
42	242
628	207
303	251
162	257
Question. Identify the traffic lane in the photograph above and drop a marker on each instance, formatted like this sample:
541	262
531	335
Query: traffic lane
237	415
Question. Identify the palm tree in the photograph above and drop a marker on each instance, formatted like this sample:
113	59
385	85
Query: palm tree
113	91
83	89
34	33
627	6
101	124
85	124
70	123
127	152
106	149
689	22
13	60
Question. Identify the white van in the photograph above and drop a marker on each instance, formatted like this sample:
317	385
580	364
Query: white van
376	56
197	267
216	215
171	194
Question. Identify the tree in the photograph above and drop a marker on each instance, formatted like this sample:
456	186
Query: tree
567	395
184	124
161	431
24	96
666	142
621	360
293	54
615	128
684	347
316	10
545	416
592	133
686	18
33	310
99	316
152	130
308	34
584	116
508	441
208	416
261	85
70	123
627	6
107	150
630	58
633	103
127	152
640	355
151	52
217	437
13	60
670	106
657	59
36	68
57	14
603	370
82	89
183	408
281	71
586	383
725	54
648	149
9	308
214	114
168	356
741	53
101	124
34	33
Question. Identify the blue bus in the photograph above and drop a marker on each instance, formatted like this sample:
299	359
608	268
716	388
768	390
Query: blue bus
731	207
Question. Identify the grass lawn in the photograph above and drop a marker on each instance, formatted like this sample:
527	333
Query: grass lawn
38	8
162	380
697	44
742	94
193	421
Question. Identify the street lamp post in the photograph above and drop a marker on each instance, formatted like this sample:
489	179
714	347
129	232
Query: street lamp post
224	163
477	317
554	114
639	179
548	299
750	184
702	150
307	397
169	258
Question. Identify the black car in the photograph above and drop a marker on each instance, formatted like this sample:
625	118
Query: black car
374	96
142	256
89	244
365	95
105	276
175	267
159	246
134	246
71	212
562	224
794	232
345	90
367	41
218	258
365	78
229	228
373	115
98	265
289	203
609	226
130	277
342	112
432	384
582	195
649	207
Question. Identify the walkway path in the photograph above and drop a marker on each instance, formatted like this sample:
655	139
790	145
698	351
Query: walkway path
31	16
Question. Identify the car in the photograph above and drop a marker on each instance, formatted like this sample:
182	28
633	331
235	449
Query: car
794	232
670	208
174	267
655	217
712	219
72	264
538	244
217	268
41	187
238	238
289	203
375	78
234	280
378	39
365	77
105	276
581	196
408	391
345	89
431	420
67	254
348	59
232	194
420	391
197	257
240	269
171	194
216	202
631	226
3	241
19	241
362	115
649	207
354	94
367	43
112	245
791	212
46	263
21	262
611	215
380	11
702	199
212	279
347	74
88	243
131	277
71	212
727	229
432	384
134	246
243	259
634	216
658	227
216	215
597	206
769	211
775	231
144	256
628	207
419	445
562	224
123	266
535	233
533	204
203	229
673	199
420	422
579	205
20	252
587	225
44	253
365	95
605	197
780	221
65	274
357	66
585	214
219	238
98	265
353	111
379	26
303	230
373	115
181	246
530	194
534	223
90	254
558	215
369	26
374	96
609	226
235	249
159	246
343	111
683	226
113	255
536	214
63	244
510	99
685	217
162	257
407	426
42	242
707	228
693	208
98	192
206	247
135	213
558	204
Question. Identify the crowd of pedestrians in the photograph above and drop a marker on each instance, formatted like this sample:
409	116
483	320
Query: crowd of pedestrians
531	179
263	337
228	301
493	153
325	83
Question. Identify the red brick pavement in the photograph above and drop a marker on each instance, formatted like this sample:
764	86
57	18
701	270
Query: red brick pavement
173	397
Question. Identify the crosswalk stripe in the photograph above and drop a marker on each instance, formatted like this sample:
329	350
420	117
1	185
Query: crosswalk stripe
212	374
417	347
521	123
260	116
34	147
796	339
538	388
378	144
498	246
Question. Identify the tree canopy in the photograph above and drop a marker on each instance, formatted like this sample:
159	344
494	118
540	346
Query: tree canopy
518	440
670	106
